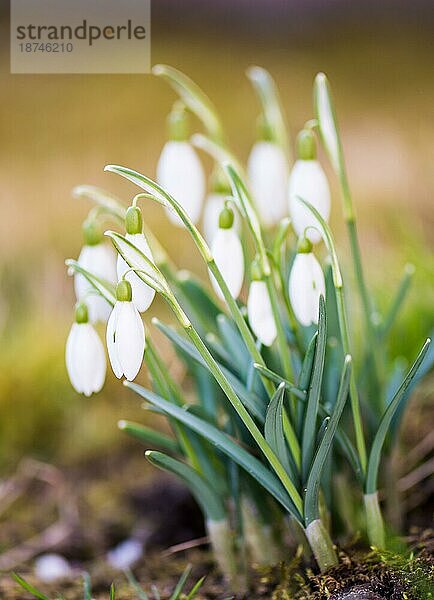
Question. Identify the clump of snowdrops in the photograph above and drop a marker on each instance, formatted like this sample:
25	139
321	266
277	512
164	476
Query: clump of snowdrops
287	410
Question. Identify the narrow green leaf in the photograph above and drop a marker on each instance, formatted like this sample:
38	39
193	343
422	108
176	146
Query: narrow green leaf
87	587
273	429
210	502
380	436
314	478
149	436
112	592
306	369
314	393
198	303
272	376
141	594
234	345
28	587
398	301
222	441
181	583
102	287
195	589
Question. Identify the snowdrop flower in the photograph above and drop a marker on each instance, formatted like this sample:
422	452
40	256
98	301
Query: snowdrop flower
259	310
99	259
50	567
125	555
228	254
214	204
268	170
306	284
143	294
308	181
179	170
85	356
125	334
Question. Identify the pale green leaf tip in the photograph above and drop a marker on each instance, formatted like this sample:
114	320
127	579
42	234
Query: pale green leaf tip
410	269
155	321
148	453
348	359
122	424
158	69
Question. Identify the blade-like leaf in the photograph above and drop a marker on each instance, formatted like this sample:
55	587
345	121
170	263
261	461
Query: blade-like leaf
102	198
208	499
149	436
181	583
197	303
222	441
112	592
195	589
102	287
306	369
296	391
141	594
273	428
313	481
28	587
87	587
314	393
380	436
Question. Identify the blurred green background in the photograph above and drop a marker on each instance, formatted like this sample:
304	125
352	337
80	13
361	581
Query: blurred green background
58	131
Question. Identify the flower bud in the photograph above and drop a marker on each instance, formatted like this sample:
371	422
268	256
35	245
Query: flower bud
308	181
85	356
306	285
142	293
228	254
125	335
259	311
268	170
180	172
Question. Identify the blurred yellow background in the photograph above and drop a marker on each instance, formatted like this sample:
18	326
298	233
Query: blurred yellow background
58	131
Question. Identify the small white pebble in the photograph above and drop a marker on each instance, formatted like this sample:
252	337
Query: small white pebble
125	554
49	567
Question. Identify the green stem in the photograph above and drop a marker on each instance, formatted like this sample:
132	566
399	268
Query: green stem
374	521
322	545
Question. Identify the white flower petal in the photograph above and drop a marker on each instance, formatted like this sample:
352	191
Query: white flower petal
85	359
228	255
306	284
100	260
130	339
125	554
50	567
260	313
268	172
143	294
111	341
180	173
308	181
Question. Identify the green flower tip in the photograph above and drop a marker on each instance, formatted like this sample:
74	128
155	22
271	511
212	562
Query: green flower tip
306	145
133	220
255	270
304	245
81	314
219	183
177	123
264	130
91	233
123	291
226	218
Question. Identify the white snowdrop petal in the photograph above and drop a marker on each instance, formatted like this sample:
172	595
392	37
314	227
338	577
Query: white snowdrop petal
100	260
228	255
130	340
180	172
268	172
143	294
110	340
308	181
260	313
306	284
125	554
71	353
50	567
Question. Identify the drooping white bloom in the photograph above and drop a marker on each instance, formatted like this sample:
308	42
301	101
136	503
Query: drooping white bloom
180	173
50	567
268	171
308	181
125	335
143	294
126	554
260	313
306	285
214	204
85	356
228	255
100	260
